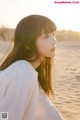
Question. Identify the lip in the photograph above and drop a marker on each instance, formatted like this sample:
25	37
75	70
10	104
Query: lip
53	49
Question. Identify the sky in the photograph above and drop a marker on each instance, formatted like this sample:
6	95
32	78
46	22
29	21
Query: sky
66	15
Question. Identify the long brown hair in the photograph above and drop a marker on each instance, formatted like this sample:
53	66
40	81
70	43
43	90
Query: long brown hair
26	34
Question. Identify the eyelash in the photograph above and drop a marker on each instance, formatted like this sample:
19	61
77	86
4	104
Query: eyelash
48	36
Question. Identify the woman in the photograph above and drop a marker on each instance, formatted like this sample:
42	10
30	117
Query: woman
26	74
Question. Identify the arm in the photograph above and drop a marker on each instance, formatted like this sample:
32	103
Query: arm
18	97
47	110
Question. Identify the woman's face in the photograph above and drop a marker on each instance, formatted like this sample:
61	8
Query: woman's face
46	45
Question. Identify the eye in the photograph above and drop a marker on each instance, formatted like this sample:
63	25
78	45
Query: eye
53	34
46	36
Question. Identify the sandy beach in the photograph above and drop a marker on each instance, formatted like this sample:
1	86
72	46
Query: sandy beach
66	78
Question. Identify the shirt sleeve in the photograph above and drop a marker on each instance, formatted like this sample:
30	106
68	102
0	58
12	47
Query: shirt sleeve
21	95
47	110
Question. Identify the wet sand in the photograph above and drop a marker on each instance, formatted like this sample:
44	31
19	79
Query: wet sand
66	78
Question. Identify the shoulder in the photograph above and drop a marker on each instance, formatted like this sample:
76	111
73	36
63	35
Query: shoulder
20	69
21	66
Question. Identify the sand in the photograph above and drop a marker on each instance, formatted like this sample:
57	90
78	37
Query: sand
66	78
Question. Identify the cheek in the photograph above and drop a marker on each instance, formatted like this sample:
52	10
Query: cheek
42	47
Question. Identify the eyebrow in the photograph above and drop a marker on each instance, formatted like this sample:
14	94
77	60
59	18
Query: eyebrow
48	32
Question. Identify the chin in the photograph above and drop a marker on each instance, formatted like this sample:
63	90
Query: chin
50	56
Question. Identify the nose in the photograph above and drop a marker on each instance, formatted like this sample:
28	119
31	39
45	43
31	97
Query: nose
54	41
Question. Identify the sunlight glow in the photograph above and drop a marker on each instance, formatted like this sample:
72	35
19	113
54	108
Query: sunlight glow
66	16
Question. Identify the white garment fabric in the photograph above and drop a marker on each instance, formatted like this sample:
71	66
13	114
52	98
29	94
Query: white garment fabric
21	96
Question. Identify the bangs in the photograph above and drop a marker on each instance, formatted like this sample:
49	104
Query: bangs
46	26
49	27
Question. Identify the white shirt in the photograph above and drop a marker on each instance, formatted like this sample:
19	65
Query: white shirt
21	96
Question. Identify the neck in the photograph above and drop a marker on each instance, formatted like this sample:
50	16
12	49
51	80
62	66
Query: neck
36	63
